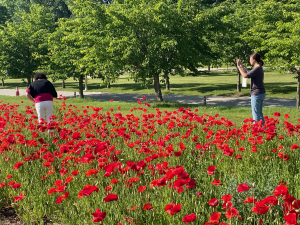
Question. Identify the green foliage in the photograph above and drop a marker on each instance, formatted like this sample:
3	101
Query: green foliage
58	7
24	47
3	15
275	31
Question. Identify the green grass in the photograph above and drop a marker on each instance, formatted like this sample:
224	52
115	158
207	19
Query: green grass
235	114
211	84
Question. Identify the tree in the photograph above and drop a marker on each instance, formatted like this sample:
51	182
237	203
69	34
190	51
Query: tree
148	38
72	46
276	33
3	15
59	8
23	47
230	43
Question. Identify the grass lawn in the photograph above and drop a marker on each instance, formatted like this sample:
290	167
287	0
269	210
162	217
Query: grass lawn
215	83
235	114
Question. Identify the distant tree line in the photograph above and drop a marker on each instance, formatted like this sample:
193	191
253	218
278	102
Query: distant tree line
150	40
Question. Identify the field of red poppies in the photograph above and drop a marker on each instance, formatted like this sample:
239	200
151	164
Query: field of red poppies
148	167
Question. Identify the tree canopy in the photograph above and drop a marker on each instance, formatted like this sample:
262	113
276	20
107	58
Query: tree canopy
24	47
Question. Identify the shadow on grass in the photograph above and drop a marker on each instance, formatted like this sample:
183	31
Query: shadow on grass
177	105
228	90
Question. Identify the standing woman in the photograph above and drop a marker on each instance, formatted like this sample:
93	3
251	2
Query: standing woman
258	92
42	92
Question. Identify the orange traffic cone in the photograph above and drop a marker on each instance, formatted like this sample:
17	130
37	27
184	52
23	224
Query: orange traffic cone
17	92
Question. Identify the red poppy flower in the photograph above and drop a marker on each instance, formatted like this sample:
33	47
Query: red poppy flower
69	179
214	218
142	188
189	218
272	200
238	157
243	187
15	186
291	219
11	183
276	114
8	176
63	171
114	181
250	200
260	208
108	188
61	198
227	205
91	172
75	172
51	191
111	197
286	116
216	182
172	208
98	216
58	182
213	202
17	165
280	190
232	213
177	154
199	194
296	204
2	184
242	149
87	190
147	206
226	198
20	197
211	170
295	146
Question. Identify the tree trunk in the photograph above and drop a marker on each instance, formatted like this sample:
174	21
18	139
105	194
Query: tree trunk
81	86
28	80
208	67
63	84
298	91
108	84
2	82
157	88
86	88
238	84
32	79
167	78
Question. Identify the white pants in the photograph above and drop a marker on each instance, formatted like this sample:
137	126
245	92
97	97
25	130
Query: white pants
44	110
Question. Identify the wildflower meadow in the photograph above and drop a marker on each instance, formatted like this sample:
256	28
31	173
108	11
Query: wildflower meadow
91	166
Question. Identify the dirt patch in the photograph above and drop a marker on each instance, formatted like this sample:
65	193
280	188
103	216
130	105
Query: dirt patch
8	216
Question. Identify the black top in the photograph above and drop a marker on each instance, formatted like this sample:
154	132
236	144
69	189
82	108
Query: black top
42	86
257	80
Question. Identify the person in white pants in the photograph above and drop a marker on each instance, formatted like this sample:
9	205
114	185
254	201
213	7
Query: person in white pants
44	110
42	92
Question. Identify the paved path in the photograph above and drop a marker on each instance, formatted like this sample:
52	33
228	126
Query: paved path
187	99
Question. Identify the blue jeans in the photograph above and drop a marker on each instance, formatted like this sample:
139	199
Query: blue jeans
256	105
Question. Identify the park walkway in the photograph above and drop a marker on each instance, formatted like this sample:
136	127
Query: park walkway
185	99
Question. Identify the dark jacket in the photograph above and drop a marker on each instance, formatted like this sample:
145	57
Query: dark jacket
42	86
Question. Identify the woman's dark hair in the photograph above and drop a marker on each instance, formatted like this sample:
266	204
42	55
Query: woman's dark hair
256	57
39	75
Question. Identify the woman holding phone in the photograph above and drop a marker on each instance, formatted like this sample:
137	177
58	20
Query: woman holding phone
258	92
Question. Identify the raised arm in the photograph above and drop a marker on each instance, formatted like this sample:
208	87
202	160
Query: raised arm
241	68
